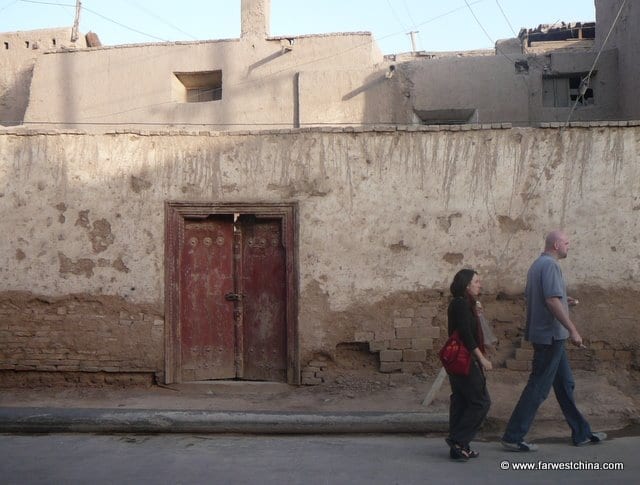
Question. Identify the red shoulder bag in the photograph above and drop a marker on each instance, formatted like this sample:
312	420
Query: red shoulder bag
454	356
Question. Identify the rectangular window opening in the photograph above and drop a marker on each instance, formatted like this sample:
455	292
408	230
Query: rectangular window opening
451	116
564	91
197	87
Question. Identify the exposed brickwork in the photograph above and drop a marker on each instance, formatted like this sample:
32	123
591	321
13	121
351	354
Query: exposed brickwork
79	334
313	373
334	129
417	334
34	379
594	355
406	344
26	131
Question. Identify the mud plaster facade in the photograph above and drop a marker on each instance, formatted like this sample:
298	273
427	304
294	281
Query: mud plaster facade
19	52
317	80
385	218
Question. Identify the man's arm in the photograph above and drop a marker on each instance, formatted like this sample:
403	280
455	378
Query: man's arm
556	307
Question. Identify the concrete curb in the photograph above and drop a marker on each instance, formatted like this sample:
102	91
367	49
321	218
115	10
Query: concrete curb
93	420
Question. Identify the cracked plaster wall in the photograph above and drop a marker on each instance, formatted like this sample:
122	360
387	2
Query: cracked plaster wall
384	216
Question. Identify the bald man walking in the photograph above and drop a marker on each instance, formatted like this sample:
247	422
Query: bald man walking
548	327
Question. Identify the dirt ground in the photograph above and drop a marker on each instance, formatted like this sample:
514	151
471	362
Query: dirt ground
609	400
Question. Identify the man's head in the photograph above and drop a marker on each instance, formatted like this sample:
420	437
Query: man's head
557	244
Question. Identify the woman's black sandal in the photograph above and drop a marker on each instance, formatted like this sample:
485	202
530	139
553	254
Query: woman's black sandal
457	452
471	453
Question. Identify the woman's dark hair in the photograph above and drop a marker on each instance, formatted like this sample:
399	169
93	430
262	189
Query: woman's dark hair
460	282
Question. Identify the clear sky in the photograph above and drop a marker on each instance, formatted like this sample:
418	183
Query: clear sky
442	24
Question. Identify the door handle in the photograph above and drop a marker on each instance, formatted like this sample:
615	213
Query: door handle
233	297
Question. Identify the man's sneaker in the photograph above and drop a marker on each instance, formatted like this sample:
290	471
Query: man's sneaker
520	446
593	439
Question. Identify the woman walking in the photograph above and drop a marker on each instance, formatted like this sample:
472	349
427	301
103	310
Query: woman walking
470	399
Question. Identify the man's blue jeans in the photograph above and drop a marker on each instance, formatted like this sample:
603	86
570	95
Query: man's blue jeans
550	368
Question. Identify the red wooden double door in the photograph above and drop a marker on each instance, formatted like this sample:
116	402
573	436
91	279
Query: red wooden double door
231	274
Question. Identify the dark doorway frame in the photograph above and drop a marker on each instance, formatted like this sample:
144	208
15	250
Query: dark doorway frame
175	214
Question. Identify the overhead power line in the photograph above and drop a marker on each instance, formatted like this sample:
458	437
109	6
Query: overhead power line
289	68
41	2
506	18
395	14
585	81
528	196
152	14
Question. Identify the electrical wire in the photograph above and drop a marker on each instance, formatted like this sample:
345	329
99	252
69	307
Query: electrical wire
534	60
404	27
305	63
447	13
528	195
497	47
406	7
300	64
485	31
413	22
506	18
152	14
587	78
48	3
395	14
41	2
124	26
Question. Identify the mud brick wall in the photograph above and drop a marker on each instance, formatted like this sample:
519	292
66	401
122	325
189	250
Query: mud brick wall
596	356
78	334
385	217
599	318
405	343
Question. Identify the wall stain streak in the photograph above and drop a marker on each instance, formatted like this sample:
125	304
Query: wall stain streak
616	149
520	160
450	168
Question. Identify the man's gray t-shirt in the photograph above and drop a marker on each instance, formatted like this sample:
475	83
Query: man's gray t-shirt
544	280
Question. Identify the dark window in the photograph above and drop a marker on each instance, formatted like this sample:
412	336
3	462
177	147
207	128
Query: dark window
452	116
197	87
522	66
564	91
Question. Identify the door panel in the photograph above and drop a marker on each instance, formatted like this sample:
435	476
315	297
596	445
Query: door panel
231	295
207	341
263	287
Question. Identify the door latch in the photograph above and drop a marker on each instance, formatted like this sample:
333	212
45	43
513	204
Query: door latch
233	297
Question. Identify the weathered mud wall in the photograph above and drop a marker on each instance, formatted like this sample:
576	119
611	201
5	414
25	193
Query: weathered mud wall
18	56
385	220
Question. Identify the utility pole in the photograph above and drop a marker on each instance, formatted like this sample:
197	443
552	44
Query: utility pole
76	22
413	39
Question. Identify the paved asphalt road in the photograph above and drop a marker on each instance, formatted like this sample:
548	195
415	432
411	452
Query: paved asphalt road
298	459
